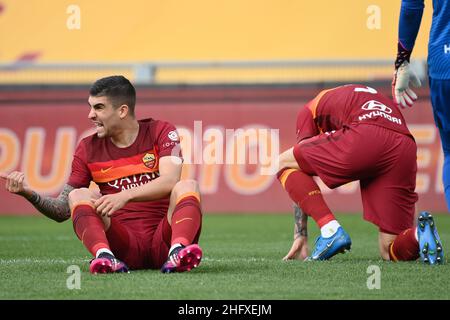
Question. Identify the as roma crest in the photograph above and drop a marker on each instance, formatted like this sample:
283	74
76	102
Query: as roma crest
149	160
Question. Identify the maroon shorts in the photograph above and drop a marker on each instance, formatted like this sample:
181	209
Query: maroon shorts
140	245
383	160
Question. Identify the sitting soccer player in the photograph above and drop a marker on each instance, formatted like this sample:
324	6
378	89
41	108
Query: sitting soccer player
145	217
354	133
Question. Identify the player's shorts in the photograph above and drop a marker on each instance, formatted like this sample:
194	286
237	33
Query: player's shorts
138	247
440	100
383	160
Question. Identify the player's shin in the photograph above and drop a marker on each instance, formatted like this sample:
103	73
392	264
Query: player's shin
185	254
305	192
89	228
186	220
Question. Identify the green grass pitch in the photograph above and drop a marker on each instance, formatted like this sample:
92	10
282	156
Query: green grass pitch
242	260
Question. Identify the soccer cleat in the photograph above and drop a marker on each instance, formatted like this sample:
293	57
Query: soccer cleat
430	246
183	259
107	265
325	248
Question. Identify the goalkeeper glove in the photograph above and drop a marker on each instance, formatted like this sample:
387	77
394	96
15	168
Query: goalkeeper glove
403	75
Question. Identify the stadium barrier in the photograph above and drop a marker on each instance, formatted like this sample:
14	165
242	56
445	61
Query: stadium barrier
205	72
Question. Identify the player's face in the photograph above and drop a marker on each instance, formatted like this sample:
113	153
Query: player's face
103	115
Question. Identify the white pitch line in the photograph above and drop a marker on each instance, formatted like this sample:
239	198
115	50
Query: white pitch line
248	259
29	260
35	238
82	261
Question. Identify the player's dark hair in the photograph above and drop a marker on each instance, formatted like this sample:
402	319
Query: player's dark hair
118	89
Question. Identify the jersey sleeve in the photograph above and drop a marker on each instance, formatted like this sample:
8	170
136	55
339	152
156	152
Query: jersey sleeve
306	127
409	22
168	140
80	176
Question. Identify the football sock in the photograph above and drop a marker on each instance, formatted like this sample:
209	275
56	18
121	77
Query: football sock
103	251
329	229
89	228
186	220
305	192
405	247
106	255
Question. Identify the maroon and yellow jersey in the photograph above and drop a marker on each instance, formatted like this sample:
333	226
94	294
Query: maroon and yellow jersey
336	108
116	169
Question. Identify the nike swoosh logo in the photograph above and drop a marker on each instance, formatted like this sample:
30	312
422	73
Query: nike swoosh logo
106	170
178	221
329	244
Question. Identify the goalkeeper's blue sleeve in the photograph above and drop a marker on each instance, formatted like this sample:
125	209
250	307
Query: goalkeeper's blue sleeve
409	23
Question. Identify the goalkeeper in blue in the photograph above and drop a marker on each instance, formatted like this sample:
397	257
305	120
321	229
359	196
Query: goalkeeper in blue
438	69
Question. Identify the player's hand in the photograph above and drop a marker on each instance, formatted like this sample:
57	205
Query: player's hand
299	249
108	204
15	182
401	91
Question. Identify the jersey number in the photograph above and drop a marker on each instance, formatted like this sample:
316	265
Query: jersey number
366	89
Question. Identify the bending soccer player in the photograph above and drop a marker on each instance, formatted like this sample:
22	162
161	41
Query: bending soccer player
354	133
145	216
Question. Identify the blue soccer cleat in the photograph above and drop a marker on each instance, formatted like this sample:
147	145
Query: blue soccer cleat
430	246
325	248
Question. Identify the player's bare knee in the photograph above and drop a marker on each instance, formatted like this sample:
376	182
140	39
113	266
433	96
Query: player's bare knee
281	164
80	195
282	161
185	186
287	160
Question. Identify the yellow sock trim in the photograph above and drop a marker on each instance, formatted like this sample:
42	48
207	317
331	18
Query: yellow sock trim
188	194
395	259
285	175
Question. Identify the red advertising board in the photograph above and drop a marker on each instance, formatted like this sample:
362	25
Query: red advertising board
229	137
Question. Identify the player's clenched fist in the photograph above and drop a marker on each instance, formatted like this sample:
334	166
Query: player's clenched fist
14	182
401	91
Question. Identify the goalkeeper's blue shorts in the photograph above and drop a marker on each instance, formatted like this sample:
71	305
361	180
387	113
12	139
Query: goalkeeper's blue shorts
440	100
